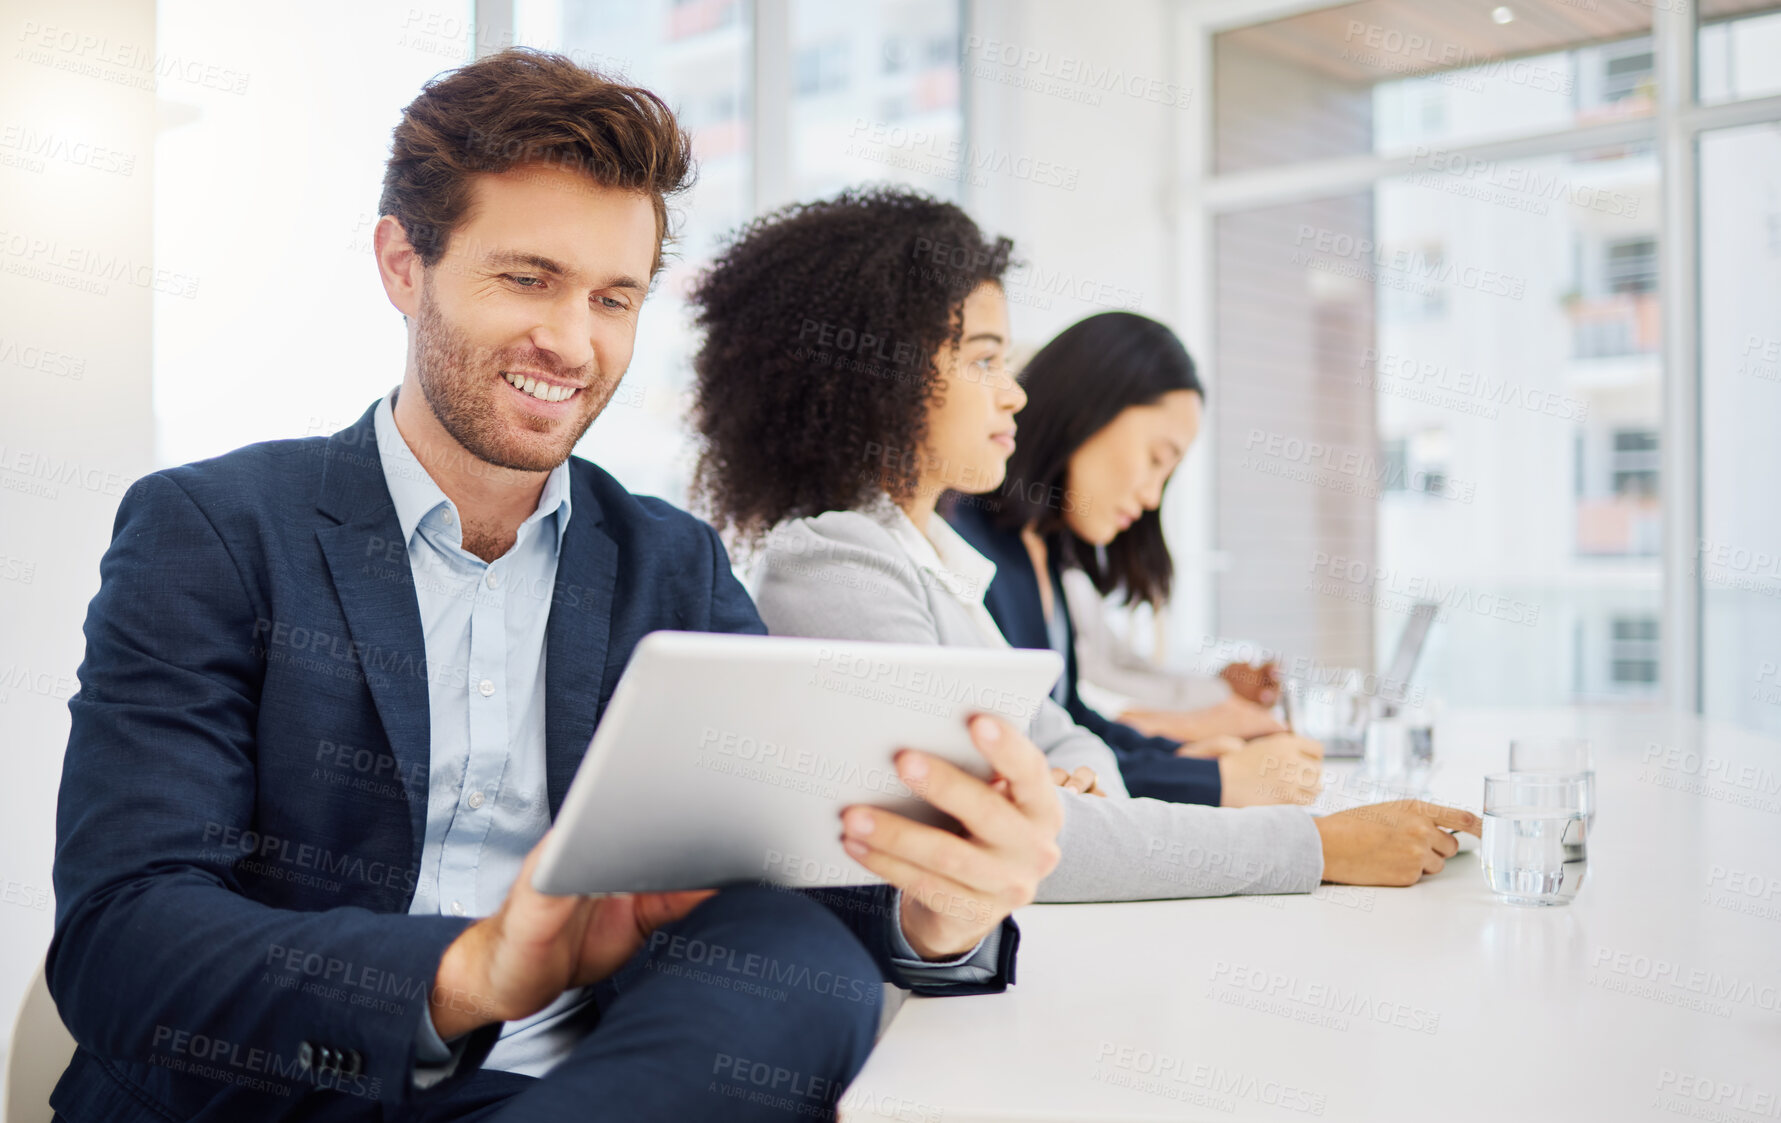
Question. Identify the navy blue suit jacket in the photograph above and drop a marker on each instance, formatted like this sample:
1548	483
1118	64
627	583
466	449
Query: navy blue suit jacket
1148	764
243	800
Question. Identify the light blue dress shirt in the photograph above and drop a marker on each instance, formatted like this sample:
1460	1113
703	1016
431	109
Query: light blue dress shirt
487	806
487	802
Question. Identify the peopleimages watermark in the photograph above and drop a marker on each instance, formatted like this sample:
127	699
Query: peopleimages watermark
1217	652
1524	186
119	61
1314	1003
769	762
1196	1082
85	269
24	895
1196	866
1743	891
751	972
1066	76
43	360
283	859
793	872
1761	358
1461	390
1734	565
1345	469
362	985
1404	268
1389	48
953	156
763	1084
1771	691
1711	776
1026	282
1674	984
441	33
371	771
43	684
1359	580
1347	896
860	350
250	1067
769	1085
29	149
902	685
1703	1097
42	475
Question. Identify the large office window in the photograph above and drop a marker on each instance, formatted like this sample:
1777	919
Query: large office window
697	55
876	96
1384	75
1446	384
1738	558
1739	52
294	336
1498	322
872	95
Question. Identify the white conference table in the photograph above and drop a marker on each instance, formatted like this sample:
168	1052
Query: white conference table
1655	995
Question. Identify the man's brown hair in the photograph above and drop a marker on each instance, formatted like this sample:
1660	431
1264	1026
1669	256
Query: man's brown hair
523	107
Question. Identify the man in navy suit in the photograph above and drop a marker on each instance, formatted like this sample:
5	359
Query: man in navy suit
335	690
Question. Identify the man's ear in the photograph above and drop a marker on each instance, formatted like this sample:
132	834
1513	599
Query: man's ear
398	265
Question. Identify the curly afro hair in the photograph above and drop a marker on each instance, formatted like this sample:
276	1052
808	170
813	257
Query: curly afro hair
821	322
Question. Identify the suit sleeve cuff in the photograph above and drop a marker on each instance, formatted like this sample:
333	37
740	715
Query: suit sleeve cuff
434	1060
978	966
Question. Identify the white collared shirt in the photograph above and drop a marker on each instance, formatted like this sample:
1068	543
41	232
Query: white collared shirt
945	560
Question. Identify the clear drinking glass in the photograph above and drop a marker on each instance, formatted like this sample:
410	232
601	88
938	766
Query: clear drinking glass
1535	848
1567	756
1334	713
1420	724
1400	751
1387	754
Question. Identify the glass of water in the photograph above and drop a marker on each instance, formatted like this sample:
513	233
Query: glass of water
1334	713
1400	751
1568	756
1535	849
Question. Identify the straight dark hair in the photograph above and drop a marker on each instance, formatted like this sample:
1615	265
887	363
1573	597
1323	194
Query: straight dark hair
1076	385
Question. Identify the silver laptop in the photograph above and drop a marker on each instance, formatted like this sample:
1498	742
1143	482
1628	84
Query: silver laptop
1337	713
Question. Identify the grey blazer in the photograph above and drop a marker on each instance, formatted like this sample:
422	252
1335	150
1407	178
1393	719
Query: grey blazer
845	575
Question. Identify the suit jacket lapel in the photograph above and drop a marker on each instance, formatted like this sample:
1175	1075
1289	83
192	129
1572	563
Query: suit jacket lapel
577	636
369	563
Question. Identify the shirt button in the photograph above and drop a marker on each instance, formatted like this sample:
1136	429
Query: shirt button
485	688
475	800
493	581
457	908
448	516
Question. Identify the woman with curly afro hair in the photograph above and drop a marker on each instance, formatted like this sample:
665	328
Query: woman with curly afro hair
821	326
853	371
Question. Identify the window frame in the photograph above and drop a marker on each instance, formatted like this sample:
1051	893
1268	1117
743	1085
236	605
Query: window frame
1674	129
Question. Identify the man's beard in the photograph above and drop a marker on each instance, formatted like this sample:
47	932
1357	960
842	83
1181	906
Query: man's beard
457	379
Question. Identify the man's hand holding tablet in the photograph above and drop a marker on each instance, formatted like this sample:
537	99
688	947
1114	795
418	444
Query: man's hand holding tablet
957	888
516	962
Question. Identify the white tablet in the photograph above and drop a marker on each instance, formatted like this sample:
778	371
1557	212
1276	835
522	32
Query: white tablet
726	759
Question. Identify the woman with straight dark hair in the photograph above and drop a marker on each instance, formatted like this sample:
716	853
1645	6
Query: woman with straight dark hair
854	370
1113	404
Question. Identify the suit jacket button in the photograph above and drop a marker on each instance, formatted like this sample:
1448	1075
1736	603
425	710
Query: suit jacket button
305	1056
355	1063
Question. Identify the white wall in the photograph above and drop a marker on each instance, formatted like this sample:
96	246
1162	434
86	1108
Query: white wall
1103	103
76	298
185	206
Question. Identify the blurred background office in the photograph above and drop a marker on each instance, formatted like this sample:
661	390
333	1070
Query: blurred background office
1487	297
